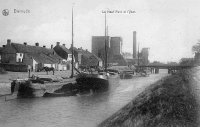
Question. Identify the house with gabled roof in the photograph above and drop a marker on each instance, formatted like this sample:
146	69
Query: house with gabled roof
64	53
84	58
30	57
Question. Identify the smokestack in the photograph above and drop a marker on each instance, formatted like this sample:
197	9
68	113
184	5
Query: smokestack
134	45
51	46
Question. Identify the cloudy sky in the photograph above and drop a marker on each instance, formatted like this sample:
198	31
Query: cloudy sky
168	27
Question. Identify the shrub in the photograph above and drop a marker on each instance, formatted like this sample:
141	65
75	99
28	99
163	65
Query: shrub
2	71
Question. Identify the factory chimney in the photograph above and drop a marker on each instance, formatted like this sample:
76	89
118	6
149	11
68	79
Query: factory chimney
134	45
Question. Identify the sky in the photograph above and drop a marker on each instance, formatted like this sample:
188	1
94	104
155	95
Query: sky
169	28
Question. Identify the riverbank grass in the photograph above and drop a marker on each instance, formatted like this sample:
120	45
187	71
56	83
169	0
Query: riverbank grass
168	102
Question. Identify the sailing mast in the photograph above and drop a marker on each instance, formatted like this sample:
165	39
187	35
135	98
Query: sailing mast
105	46
138	55
72	46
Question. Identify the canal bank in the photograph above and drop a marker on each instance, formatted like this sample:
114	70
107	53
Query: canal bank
172	101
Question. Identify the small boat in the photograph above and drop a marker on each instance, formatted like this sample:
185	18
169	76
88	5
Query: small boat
43	86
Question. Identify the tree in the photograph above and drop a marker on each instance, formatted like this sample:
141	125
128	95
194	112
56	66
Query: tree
187	61
172	63
196	51
196	48
157	63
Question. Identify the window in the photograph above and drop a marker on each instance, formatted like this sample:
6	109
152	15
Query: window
19	57
19	60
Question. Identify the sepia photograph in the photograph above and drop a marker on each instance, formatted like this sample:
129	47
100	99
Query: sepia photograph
99	63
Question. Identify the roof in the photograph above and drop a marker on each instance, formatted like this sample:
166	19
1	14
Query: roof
39	54
133	60
90	59
118	59
42	58
31	49
1	48
62	51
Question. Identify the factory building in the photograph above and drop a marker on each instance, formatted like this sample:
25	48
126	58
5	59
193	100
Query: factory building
114	49
116	45
139	57
145	56
98	44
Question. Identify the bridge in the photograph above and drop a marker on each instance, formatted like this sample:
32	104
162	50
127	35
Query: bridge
176	67
171	68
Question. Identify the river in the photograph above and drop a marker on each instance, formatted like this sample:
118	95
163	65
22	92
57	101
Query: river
86	110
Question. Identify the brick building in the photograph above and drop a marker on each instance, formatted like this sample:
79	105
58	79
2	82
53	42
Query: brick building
114	49
116	45
20	57
84	58
144	55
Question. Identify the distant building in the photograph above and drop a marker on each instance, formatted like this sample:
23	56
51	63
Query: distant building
117	60
98	45
131	61
144	55
197	58
18	57
84	58
116	45
114	49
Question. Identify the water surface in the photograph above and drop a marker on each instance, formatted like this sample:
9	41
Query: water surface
86	110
